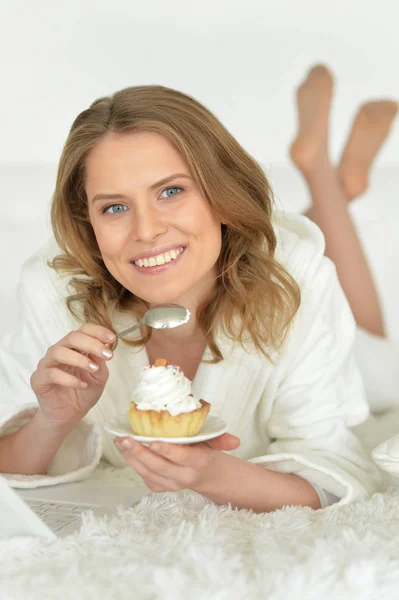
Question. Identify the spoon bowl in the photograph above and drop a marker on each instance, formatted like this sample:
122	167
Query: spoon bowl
161	316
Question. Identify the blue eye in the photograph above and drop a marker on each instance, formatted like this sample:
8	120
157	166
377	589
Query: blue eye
114	209
171	191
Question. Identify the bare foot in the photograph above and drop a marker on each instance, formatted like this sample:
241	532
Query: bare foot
313	103
369	130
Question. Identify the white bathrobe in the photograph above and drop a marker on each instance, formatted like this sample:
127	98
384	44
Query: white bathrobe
293	416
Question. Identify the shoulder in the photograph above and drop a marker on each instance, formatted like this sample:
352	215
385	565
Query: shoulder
299	240
37	273
300	250
47	251
324	319
42	290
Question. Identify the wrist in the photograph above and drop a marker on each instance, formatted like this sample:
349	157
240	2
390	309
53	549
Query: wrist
211	484
49	426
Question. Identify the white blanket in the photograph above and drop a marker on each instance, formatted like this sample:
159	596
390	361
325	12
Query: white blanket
181	547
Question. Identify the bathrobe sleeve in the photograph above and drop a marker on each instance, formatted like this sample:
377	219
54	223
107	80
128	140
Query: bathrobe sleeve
319	393
43	319
386	455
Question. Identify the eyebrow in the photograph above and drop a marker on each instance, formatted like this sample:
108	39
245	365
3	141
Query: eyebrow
152	187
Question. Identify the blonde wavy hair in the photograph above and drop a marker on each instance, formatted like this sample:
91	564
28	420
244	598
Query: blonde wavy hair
255	298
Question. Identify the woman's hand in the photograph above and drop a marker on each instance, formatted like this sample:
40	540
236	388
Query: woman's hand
167	467
70	378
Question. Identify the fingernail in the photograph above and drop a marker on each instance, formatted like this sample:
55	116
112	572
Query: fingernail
156	447
93	367
109	336
107	353
123	445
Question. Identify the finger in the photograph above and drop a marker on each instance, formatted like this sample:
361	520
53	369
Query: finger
158	473
81	344
224	442
152	463
86	344
184	456
102	373
156	483
41	380
60	355
98	331
133	462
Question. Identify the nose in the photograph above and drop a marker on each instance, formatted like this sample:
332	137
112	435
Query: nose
148	224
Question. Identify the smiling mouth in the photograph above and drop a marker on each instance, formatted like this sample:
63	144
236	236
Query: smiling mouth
159	259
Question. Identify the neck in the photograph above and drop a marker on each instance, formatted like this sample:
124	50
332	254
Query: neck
190	331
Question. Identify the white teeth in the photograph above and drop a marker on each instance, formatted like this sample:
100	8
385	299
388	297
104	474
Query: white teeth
161	259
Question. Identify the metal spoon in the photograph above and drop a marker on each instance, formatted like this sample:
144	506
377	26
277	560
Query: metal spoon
162	316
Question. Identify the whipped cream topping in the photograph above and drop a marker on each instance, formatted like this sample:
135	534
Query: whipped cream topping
164	388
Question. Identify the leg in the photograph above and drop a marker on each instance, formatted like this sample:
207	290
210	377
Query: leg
329	204
369	130
313	103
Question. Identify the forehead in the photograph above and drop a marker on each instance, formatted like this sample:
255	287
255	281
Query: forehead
138	154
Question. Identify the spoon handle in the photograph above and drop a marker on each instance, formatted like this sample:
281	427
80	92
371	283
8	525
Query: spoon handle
126	331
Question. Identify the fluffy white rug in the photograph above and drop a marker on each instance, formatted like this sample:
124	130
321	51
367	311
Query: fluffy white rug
180	547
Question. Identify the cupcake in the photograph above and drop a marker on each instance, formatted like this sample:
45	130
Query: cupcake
163	404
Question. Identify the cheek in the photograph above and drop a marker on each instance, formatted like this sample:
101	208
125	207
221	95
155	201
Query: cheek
211	230
111	243
109	240
198	220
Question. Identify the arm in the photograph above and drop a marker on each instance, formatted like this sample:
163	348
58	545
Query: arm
32	448
34	452
261	490
204	469
30	461
68	382
318	397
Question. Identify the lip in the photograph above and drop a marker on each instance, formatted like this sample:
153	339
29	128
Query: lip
156	251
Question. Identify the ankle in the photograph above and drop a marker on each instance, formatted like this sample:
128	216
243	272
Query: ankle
354	180
309	157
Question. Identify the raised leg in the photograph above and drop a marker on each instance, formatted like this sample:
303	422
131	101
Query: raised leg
313	103
369	131
328	207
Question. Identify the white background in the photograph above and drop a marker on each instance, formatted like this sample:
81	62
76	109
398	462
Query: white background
241	59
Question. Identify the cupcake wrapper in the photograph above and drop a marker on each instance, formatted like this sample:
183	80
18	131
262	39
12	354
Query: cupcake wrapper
152	423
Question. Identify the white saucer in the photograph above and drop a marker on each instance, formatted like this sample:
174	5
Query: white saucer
212	427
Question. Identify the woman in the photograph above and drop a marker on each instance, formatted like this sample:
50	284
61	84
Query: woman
330	191
145	172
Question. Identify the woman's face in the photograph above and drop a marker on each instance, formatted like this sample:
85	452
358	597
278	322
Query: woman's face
156	232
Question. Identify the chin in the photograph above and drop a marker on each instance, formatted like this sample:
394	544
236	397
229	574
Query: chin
161	296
